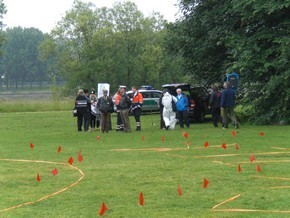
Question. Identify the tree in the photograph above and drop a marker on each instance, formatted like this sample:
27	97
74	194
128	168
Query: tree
20	62
117	45
244	36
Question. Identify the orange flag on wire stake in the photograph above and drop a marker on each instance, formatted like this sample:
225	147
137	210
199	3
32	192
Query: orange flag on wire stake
163	138
185	134
141	199
179	190
31	145
206	144
143	138
234	133
187	144
59	149
262	134
205	183
38	177
103	209
224	145
80	156
70	160
54	172
239	168
237	146
252	158
258	168
98	137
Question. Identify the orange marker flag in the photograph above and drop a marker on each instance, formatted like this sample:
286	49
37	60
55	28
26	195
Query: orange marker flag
262	133
70	160
103	209
185	135
54	172
141	199
80	156
143	138
31	145
239	168
234	133
58	149
237	146
206	144
163	138
205	183
224	145
252	158
98	137
187	144
258	168
179	190
38	177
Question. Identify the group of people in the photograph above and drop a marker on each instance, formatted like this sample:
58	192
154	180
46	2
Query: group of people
222	106
170	106
97	112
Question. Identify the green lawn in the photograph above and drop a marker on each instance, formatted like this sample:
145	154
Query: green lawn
116	177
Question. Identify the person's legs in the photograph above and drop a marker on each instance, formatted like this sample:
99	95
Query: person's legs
225	117
107	122
172	120
86	121
215	116
233	117
103	122
166	118
80	121
185	118
180	117
137	114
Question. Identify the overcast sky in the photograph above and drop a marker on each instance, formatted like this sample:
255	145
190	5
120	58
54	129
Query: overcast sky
44	14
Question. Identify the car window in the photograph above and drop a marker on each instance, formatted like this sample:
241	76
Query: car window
156	95
146	95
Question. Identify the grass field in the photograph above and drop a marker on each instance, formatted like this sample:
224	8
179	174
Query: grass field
118	166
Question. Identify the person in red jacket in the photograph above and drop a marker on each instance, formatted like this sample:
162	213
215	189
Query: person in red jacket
137	102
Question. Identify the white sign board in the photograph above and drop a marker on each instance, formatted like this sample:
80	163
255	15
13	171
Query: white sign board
101	87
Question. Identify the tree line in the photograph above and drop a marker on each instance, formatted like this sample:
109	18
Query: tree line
119	45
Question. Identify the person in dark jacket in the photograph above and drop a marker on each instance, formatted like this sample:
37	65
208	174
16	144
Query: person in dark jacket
228	97
161	107
106	106
82	105
87	115
125	104
214	105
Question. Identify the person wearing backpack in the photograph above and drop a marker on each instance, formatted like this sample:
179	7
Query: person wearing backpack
168	113
214	105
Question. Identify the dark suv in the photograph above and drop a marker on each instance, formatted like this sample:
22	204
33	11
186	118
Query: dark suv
198	99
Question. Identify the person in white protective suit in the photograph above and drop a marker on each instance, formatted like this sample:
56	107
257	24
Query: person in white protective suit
168	113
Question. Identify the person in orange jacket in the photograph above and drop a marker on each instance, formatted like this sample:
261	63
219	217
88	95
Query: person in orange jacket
137	102
117	97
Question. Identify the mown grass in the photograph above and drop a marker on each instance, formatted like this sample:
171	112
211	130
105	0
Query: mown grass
117	177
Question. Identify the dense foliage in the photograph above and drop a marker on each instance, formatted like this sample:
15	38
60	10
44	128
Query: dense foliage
2	12
116	45
244	36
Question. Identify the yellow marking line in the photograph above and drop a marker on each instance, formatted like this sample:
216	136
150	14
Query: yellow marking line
270	177
48	196
226	201
251	210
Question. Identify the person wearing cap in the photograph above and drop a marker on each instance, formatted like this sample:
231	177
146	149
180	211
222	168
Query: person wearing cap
168	114
82	105
137	102
116	100
106	106
125	104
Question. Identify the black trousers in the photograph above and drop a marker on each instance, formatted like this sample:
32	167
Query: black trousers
183	118
216	115
137	114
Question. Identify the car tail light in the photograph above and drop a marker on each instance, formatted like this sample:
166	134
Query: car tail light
192	103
